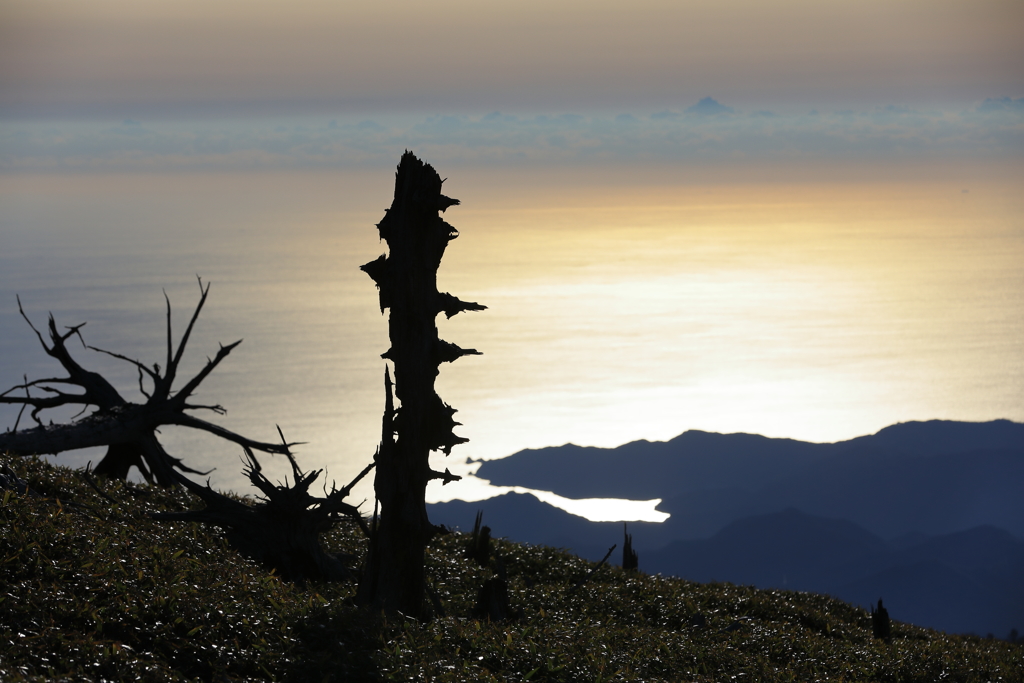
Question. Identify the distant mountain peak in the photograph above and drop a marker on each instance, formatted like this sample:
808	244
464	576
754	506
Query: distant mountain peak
710	107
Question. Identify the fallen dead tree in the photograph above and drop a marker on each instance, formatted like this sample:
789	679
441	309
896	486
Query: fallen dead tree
281	531
128	430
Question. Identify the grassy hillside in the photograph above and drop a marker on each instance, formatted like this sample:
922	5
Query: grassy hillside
90	590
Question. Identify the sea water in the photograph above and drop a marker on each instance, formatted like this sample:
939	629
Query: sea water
616	312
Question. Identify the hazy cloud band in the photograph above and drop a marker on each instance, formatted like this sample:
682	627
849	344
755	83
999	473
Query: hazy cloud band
992	131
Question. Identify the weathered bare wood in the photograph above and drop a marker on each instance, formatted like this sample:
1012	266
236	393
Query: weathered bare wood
127	429
492	601
881	625
282	531
479	548
394	579
630	559
576	586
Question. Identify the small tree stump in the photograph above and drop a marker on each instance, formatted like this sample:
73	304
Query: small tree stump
881	626
479	548
630	559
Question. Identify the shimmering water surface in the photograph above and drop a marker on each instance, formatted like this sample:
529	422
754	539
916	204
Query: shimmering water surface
616	311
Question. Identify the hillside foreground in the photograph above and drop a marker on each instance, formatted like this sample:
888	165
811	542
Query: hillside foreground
95	590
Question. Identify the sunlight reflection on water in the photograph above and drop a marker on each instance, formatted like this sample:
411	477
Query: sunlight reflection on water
805	312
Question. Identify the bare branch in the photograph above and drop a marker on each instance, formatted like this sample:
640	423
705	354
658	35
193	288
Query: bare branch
219	409
74	331
169	366
79	413
451	305
255	474
97	390
347	489
300	480
187	390
172	365
21	411
142	368
212	499
291	459
37	383
23	315
41	402
142	388
446	476
185	420
593	569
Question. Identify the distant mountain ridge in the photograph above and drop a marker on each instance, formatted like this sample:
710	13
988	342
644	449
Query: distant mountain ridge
933	477
963	582
928	515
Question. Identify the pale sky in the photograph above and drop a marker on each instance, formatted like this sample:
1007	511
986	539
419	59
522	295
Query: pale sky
156	58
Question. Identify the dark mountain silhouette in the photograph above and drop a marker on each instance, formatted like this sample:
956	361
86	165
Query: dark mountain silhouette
936	437
931	594
889	497
963	582
787	549
642	470
893	496
928	515
932	477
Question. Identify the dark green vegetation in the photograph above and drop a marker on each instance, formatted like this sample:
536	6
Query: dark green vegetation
91	590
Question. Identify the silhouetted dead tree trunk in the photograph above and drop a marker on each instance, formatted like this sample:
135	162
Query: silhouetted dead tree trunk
128	430
394	579
630	559
881	626
492	601
479	548
282	532
579	582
